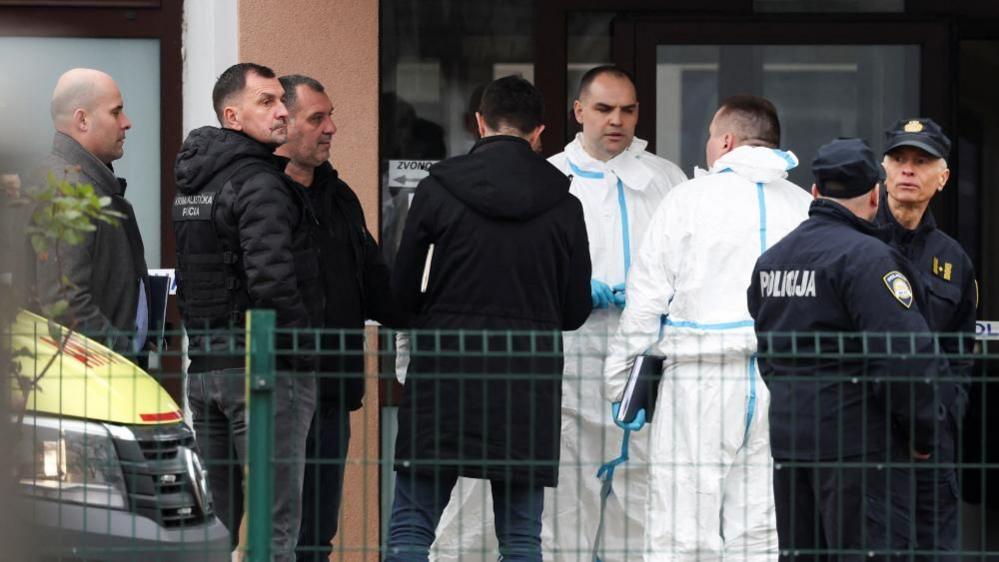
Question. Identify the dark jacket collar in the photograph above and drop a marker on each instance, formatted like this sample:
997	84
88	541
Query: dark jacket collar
324	174
503	178
491	142
828	209
279	161
208	151
886	218
66	148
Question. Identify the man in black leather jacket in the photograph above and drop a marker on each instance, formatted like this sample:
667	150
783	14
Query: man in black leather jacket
356	282
244	240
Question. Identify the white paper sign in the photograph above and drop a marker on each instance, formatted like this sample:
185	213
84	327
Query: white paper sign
987	330
168	273
408	173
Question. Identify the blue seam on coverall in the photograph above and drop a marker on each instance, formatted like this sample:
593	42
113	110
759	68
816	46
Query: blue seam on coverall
584	173
665	320
763	216
751	407
625	230
606	471
791	164
751	401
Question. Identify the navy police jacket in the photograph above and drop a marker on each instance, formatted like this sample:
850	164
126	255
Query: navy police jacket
838	379
948	276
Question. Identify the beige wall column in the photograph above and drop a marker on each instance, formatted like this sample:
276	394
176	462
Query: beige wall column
336	42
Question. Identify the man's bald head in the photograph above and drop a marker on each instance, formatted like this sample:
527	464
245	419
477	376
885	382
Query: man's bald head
76	89
87	106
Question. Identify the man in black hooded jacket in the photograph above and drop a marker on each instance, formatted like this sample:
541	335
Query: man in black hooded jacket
493	241
244	241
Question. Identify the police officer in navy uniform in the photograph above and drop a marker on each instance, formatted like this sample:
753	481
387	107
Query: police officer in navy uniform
835	386
916	170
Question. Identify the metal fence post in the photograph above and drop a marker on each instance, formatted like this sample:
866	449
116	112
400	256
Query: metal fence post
260	433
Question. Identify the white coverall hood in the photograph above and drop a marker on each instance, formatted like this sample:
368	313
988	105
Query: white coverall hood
619	198
709	446
757	164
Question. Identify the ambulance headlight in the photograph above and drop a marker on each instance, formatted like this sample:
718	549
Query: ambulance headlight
69	461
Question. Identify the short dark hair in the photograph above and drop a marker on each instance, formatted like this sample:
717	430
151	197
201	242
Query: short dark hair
593	73
232	81
753	118
514	102
291	82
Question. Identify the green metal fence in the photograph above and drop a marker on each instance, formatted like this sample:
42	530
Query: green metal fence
110	470
261	378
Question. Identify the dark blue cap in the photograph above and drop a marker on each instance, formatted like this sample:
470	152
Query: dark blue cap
920	132
845	168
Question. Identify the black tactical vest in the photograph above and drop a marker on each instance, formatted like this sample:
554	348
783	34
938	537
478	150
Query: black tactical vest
210	287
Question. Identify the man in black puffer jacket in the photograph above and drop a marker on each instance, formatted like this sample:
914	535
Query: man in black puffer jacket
493	241
244	240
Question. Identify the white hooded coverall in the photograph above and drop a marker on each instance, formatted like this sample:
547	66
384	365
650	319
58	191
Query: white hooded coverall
619	198
710	488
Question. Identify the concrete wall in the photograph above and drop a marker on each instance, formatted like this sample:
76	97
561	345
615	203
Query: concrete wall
209	48
336	42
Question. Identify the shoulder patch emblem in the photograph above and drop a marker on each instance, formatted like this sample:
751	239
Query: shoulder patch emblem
899	287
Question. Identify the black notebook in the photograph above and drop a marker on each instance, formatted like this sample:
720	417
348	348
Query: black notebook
642	388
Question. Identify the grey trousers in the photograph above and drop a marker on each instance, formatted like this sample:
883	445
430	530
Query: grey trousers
218	405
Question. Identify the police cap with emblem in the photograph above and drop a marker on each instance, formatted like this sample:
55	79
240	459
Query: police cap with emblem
845	168
921	133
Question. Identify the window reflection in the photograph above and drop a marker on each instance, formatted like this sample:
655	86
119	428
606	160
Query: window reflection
821	92
589	45
31	66
436	57
828	6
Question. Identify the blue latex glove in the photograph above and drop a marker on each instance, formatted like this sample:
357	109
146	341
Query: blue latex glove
618	295
601	294
635	424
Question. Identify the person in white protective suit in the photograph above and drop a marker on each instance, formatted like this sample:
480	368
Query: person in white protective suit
620	186
710	489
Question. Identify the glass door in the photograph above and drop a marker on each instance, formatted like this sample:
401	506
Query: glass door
25	91
821	92
827	80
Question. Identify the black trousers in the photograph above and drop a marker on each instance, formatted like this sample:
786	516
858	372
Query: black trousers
835	510
326	455
931	501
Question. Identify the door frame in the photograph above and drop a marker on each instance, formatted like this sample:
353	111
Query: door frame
126	19
647	33
635	39
120	19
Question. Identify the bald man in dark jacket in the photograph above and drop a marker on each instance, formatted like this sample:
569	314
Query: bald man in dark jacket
108	288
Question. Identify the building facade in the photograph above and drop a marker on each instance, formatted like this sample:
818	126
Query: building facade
404	77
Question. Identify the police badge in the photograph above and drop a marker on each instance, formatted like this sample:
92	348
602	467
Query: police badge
899	287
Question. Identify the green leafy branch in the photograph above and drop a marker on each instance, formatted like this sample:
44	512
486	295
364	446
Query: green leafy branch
64	213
